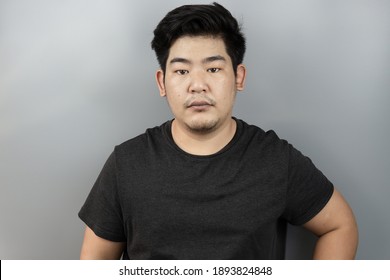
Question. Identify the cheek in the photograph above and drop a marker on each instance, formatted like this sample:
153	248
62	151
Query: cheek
227	90
175	100
175	87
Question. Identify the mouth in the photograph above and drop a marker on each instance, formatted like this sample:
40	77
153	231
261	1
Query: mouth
199	105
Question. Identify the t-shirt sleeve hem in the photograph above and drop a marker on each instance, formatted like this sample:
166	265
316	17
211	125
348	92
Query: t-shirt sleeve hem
314	210
99	231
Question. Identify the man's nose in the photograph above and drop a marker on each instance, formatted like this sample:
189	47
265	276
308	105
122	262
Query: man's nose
198	83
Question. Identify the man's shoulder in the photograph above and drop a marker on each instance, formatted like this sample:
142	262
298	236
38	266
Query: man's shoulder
263	144
251	130
151	137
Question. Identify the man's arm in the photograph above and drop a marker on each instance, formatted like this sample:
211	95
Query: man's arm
97	248
336	228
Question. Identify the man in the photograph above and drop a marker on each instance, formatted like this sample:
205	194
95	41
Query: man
206	185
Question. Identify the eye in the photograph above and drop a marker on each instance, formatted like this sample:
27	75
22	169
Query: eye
213	70
181	72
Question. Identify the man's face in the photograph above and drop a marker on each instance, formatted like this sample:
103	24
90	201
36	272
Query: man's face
200	83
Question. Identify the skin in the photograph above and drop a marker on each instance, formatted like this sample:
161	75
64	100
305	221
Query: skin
199	72
200	86
336	227
97	248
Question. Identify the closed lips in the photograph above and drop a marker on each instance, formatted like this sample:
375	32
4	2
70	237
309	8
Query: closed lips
199	103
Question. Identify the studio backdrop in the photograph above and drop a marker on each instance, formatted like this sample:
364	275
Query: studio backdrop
77	78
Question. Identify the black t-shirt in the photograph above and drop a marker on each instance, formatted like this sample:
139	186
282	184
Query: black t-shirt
168	204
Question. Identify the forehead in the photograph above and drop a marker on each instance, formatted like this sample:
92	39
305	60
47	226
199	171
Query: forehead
197	47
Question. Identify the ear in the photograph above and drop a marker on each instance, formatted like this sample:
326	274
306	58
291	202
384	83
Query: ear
160	82
240	77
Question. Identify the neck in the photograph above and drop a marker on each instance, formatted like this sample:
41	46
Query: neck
200	143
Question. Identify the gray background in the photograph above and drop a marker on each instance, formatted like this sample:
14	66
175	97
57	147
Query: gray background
77	78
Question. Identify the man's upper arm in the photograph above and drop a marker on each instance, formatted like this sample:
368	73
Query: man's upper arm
97	248
336	226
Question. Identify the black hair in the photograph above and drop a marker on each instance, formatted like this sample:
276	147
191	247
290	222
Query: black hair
199	20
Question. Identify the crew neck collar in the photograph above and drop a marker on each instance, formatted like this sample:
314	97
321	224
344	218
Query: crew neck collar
167	128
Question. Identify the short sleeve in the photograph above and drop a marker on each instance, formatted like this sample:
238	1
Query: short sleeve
101	211
308	189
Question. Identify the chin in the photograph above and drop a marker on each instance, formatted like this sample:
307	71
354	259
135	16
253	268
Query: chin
202	126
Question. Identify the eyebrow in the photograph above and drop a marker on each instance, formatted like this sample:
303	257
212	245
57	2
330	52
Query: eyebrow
213	58
204	61
180	60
